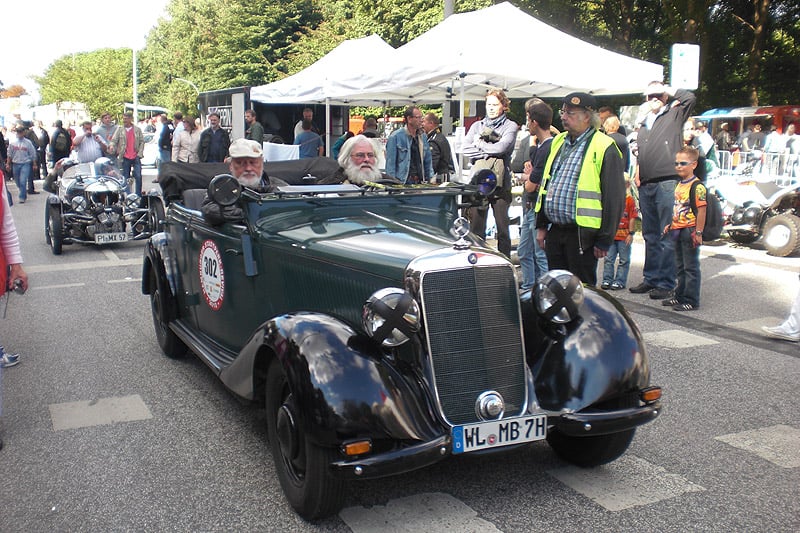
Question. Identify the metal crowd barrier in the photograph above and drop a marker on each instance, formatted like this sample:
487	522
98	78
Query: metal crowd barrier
781	168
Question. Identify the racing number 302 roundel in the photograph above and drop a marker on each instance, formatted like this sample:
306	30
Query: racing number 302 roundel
212	277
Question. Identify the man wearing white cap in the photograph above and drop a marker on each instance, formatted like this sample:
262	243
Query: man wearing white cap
659	139
247	166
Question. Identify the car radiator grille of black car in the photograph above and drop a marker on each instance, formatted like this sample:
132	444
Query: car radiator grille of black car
474	333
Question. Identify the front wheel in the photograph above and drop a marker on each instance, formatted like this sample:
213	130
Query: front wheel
302	465
157	215
593	451
55	228
782	235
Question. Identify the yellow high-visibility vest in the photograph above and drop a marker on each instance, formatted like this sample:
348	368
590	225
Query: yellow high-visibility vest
588	204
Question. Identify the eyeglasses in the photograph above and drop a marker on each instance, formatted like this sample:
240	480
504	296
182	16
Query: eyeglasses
683	163
563	111
363	155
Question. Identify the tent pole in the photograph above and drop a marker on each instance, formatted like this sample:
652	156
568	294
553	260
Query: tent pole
327	127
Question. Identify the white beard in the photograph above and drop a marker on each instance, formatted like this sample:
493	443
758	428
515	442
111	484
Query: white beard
358	175
250	180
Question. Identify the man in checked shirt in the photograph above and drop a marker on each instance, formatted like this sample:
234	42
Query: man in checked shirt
582	192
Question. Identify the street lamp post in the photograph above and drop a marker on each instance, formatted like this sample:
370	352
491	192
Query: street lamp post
189	83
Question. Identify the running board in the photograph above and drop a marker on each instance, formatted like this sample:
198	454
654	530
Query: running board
210	352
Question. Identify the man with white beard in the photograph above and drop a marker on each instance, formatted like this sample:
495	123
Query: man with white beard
360	159
247	166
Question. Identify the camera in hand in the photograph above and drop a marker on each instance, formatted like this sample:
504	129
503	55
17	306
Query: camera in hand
19	287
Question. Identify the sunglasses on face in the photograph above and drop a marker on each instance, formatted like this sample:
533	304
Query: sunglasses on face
683	163
651	96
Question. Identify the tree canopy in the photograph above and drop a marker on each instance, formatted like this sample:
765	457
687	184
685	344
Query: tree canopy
750	49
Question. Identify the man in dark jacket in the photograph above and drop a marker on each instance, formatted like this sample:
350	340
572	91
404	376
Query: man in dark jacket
214	142
60	143
441	155
165	139
582	194
659	139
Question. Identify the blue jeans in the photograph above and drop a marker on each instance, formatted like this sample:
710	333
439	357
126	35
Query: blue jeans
22	173
623	251
655	203
687	263
532	259
164	155
136	166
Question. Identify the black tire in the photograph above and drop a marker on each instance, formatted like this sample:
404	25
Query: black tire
157	215
170	344
598	450
302	466
47	225
781	235
55	227
743	237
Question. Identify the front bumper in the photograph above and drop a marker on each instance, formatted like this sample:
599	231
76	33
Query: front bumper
427	453
605	422
395	461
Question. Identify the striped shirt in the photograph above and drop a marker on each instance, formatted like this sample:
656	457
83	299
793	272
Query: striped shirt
562	187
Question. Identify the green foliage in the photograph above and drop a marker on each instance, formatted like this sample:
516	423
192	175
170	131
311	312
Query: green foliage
251	42
102	79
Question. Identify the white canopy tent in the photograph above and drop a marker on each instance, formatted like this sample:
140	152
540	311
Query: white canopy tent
340	77
460	56
487	48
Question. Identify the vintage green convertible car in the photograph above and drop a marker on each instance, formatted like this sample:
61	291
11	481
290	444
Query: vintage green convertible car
382	336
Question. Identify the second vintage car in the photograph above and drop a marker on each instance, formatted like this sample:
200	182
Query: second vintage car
382	337
89	204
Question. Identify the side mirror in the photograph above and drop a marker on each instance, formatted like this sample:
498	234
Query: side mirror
224	190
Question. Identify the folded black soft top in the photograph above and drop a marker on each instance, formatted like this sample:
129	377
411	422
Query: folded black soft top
175	178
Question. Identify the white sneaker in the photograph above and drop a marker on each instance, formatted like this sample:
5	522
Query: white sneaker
9	359
778	332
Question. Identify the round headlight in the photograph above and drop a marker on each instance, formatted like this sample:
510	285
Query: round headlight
78	204
391	316
751	214
558	296
132	200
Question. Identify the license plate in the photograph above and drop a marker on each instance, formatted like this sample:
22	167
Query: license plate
105	238
498	433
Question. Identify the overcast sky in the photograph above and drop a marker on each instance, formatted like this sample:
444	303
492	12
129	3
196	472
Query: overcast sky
36	33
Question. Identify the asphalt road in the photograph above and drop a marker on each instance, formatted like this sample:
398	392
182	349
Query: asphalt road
103	433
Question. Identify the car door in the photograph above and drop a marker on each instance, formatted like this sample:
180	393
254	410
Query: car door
222	284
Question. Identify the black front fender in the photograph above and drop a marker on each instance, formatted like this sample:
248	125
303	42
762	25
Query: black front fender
344	385
597	357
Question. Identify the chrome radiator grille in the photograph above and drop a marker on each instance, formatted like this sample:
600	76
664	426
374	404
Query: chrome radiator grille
474	338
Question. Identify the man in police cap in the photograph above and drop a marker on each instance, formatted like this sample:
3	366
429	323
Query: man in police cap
582	194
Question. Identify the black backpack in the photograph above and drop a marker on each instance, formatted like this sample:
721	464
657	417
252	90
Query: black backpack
714	222
61	144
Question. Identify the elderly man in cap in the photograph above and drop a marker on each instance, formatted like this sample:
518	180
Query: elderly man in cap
247	166
582	194
659	139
